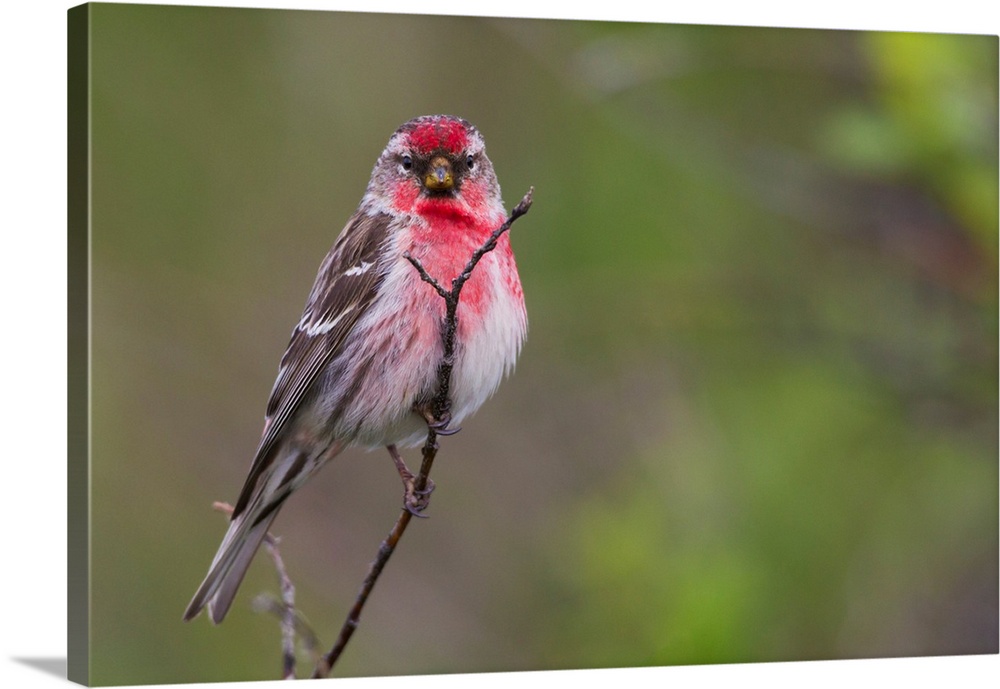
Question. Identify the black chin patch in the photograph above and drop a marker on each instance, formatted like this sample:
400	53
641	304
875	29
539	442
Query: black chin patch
441	193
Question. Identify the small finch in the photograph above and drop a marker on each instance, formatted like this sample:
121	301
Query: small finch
361	367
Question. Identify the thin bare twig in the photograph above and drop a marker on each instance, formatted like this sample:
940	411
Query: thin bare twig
440	404
272	605
439	408
287	604
288	609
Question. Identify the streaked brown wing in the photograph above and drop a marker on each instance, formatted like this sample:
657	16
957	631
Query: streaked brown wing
347	282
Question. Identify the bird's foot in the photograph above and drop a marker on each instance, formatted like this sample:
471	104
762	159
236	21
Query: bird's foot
416	501
438	425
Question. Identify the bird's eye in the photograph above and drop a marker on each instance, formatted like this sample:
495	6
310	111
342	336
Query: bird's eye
469	162
407	163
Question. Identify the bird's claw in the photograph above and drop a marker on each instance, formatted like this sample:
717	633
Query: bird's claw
416	501
415	510
439	426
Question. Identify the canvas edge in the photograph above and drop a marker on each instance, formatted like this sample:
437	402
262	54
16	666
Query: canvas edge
78	344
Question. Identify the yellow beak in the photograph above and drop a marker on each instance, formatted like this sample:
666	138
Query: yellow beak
439	178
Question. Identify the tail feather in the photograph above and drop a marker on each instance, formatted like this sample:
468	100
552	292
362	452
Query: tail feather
259	503
229	566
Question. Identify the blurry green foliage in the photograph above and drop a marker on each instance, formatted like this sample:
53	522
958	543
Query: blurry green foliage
932	119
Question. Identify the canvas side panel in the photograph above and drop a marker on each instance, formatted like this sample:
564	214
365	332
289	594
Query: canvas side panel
78	385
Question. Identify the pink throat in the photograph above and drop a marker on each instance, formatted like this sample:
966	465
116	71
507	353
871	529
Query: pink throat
467	208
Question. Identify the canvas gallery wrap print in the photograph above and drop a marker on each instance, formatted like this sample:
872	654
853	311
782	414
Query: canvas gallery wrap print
752	310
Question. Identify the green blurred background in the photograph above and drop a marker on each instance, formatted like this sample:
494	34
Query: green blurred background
756	417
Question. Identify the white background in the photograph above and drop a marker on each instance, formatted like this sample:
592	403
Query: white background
33	328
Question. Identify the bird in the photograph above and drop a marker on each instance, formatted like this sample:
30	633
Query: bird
360	369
